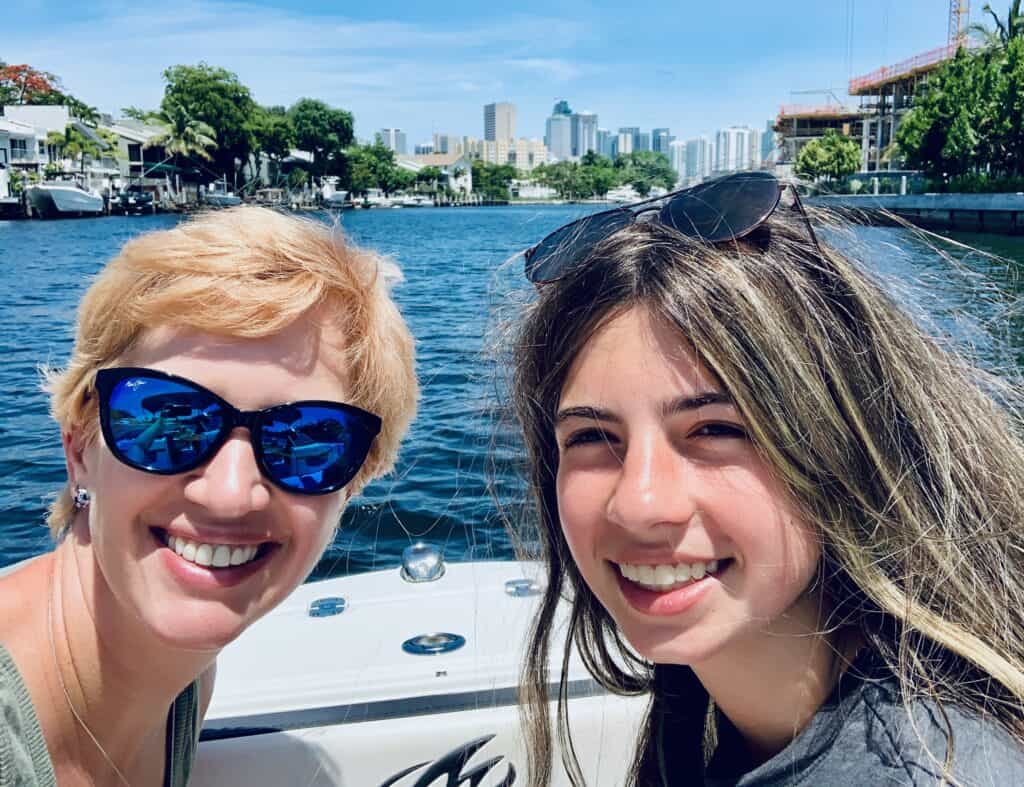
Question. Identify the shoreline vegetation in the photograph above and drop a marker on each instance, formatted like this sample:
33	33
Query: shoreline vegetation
964	135
209	128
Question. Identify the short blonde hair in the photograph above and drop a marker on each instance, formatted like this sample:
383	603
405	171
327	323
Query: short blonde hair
245	272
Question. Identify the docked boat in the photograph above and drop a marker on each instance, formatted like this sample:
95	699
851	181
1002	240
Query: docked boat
399	677
217	195
62	199
134	199
338	200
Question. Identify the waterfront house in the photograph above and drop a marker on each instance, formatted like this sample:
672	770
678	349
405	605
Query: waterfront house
456	168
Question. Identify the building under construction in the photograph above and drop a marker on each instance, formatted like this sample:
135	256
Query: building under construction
796	125
886	95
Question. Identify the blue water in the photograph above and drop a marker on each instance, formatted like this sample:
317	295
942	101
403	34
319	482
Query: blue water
456	477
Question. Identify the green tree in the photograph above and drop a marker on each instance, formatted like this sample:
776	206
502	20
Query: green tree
323	131
79	146
492	180
183	134
1004	32
968	117
645	169
273	136
214	96
832	156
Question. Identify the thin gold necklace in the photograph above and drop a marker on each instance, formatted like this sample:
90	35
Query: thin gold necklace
60	676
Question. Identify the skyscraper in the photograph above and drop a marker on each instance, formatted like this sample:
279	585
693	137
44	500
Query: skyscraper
700	159
732	148
499	121
584	133
642	141
604	143
394	139
661	139
558	132
677	158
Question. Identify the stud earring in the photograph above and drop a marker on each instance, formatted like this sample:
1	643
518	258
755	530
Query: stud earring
81	498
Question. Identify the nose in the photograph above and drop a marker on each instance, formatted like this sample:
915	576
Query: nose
656	486
230	485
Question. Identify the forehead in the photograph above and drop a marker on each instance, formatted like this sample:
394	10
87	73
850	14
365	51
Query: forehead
634	355
303	361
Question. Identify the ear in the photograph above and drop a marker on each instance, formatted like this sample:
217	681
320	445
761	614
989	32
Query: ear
77	458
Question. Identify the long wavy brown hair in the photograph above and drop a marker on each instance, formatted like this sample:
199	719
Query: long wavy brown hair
907	460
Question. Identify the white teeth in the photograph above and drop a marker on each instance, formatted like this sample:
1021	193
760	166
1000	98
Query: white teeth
667	577
221	556
211	555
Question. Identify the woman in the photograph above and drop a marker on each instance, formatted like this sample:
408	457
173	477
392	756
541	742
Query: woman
775	504
234	381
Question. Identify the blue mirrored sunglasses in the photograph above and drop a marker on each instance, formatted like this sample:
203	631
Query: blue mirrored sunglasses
716	211
165	424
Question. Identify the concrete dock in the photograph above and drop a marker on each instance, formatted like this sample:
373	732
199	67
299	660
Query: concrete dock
996	213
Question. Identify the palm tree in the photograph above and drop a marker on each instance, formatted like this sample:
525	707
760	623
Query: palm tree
183	135
1004	32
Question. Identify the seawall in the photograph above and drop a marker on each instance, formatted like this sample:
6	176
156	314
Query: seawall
997	213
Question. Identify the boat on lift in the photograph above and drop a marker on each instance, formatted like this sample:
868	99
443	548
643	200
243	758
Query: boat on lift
63	199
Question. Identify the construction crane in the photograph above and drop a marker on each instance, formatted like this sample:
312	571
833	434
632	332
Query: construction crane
959	16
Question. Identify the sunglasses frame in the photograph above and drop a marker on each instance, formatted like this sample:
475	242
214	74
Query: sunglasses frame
662	205
252	420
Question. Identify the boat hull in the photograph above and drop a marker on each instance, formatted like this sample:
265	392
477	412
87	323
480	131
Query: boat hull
63	201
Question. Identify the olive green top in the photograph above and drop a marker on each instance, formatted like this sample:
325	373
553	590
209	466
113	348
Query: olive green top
25	761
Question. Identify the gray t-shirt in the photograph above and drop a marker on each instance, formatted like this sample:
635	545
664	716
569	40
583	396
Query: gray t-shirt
862	735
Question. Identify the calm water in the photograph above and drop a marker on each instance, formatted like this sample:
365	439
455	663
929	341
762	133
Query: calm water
456	460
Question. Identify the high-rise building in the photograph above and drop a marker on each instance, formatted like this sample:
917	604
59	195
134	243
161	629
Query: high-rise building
661	140
604	143
500	121
634	138
732	149
700	159
583	131
754	142
677	158
624	144
768	145
642	141
394	139
447	143
424	149
558	136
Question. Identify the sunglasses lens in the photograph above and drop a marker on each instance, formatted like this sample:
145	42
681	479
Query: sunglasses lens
159	425
563	250
723	210
315	449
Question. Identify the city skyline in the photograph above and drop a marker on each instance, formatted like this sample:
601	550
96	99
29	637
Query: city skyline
397	66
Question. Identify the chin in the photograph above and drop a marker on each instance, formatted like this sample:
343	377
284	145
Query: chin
669	647
209	629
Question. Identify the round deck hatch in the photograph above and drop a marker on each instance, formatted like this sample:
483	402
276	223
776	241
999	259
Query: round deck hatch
433	644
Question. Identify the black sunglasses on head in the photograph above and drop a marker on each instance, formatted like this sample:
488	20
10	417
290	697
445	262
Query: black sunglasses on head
716	211
164	424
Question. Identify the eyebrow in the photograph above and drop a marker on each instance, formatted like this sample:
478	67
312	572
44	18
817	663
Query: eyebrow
679	405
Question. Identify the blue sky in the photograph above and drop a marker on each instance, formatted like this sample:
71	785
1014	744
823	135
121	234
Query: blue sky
691	66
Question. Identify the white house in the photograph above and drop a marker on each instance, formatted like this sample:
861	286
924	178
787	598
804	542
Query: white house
456	168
